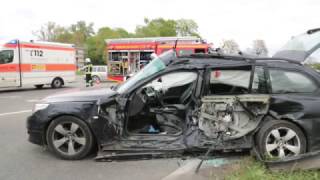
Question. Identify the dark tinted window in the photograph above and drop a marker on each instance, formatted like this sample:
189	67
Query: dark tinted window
283	81
6	56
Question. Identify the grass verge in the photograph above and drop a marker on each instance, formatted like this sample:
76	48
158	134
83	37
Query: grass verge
251	169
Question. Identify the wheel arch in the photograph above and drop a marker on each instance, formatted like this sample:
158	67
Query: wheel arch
45	129
304	131
288	119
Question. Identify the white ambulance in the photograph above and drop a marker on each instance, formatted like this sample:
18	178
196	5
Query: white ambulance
36	64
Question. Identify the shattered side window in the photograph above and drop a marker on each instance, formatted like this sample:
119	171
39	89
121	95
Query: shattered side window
290	82
229	81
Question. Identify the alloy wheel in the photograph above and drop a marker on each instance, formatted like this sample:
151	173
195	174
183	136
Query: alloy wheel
68	138
282	142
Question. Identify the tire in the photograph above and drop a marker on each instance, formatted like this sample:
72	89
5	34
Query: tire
278	139
95	79
39	86
57	83
69	138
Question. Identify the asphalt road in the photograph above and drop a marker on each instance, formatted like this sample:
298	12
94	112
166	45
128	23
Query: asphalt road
20	159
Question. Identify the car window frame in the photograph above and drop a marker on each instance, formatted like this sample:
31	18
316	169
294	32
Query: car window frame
155	76
207	75
132	91
266	76
304	73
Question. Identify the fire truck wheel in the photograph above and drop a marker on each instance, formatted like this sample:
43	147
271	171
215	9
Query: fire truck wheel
39	86
57	83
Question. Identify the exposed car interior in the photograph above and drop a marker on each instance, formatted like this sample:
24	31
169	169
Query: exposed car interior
229	108
159	106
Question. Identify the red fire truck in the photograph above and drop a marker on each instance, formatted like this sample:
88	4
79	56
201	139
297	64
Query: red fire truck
127	56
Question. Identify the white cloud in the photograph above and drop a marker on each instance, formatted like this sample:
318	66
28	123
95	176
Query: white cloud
243	20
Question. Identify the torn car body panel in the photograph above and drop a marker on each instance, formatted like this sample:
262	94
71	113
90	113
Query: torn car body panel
235	116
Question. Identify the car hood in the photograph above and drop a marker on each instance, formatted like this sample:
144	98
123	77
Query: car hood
300	47
81	95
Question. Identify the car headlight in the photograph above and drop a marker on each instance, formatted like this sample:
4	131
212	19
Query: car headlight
40	106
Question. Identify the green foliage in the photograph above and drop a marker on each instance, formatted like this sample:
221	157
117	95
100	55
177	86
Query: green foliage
187	27
156	28
83	35
81	32
315	66
96	44
252	170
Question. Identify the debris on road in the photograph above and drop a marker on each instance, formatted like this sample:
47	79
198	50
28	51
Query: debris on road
216	168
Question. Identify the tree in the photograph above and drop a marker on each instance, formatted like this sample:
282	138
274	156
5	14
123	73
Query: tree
81	32
96	44
259	48
156	27
83	35
187	27
47	32
230	47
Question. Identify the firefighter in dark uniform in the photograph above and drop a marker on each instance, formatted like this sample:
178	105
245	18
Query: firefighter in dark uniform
88	72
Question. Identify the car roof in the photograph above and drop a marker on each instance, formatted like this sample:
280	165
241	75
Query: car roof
201	60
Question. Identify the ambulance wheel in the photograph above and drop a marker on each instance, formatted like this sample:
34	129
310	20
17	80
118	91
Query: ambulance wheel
39	86
57	83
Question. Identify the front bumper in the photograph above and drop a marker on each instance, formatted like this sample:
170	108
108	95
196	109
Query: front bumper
35	130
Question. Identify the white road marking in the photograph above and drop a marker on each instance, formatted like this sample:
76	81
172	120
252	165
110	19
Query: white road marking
9	97
33	100
17	112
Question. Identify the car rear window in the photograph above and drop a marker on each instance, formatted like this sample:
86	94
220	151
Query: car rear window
283	81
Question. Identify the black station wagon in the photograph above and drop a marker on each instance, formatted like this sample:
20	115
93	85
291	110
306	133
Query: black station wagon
191	103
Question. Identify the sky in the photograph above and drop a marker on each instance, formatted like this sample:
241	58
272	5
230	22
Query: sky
275	21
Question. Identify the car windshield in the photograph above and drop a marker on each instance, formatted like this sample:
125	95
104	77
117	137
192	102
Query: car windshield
156	65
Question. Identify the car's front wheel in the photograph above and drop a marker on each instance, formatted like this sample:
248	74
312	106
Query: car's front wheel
279	139
69	138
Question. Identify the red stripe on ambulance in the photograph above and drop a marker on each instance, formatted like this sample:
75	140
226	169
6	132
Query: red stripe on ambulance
37	67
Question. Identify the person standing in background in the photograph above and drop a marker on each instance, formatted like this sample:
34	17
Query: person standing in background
88	72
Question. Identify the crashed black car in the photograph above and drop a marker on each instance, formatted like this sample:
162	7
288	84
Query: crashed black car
190	104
